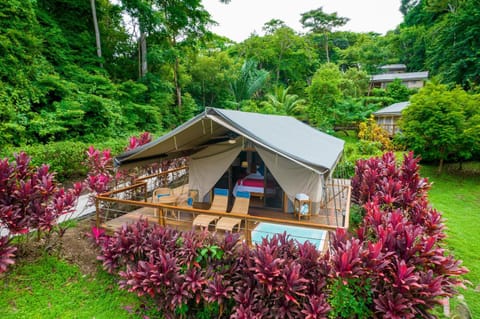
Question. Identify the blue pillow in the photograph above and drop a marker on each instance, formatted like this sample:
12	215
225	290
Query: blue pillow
220	191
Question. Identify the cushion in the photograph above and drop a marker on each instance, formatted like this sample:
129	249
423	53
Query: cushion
220	191
302	196
243	194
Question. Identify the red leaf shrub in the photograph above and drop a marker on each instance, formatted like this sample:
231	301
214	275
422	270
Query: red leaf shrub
30	198
7	253
190	271
102	176
398	246
135	142
281	278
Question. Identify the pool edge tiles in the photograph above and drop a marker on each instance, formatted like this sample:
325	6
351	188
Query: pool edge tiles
301	234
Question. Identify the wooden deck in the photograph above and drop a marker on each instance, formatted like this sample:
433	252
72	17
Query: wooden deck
183	220
127	205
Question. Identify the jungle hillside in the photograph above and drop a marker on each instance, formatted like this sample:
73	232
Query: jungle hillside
80	71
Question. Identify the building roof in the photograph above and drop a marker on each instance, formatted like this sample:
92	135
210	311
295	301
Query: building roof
283	135
407	76
391	67
394	109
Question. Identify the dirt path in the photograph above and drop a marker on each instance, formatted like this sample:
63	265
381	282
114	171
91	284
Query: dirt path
77	248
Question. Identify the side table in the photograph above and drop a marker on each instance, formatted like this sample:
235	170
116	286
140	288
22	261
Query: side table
302	208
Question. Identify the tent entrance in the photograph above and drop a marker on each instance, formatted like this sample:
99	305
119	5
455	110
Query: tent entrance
249	173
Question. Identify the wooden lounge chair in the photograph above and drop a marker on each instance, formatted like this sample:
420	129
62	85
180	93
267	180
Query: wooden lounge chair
240	206
163	195
219	203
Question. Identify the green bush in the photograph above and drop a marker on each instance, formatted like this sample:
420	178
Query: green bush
369	148
66	158
350	299
357	213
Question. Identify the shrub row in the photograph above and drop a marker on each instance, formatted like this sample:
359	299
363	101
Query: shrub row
199	275
66	158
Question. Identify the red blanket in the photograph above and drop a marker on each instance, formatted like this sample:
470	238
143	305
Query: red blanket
251	182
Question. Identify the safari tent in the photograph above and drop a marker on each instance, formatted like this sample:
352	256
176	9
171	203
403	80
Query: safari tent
224	146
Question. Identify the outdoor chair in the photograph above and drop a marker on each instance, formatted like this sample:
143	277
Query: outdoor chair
163	195
240	206
219	203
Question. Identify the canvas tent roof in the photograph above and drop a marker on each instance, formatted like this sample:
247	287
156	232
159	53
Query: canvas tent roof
284	135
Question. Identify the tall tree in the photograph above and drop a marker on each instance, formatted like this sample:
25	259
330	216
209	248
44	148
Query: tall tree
289	57
320	22
97	31
324	93
145	18
273	25
175	25
454	49
184	23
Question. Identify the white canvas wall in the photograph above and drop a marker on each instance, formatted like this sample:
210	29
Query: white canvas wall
207	166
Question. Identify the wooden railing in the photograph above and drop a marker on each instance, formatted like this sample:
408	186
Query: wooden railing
140	187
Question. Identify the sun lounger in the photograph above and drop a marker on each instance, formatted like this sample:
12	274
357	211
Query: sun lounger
240	206
219	203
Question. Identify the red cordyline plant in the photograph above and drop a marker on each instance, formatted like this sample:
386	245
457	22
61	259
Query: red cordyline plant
30	199
281	278
135	142
102	176
189	273
181	272
7	254
397	251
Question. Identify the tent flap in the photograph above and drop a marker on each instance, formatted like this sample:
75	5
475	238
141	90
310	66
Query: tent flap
207	166
292	177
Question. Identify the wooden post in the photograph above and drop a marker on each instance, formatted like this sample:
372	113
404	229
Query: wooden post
145	192
161	217
248	234
97	213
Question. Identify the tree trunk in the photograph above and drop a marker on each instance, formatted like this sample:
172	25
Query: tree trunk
326	47
143	54
97	32
178	89
440	166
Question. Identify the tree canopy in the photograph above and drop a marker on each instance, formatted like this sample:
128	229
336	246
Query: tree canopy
160	64
440	124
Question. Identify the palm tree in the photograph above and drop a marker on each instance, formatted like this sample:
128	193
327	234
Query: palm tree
249	82
285	103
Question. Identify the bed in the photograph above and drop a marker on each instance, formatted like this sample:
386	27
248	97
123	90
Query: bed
254	184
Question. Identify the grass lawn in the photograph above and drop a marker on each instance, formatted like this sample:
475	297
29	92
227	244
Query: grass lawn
50	288
458	198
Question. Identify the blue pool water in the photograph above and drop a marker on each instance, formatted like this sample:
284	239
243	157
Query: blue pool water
301	234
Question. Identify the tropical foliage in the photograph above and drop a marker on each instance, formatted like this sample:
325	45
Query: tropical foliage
442	124
30	200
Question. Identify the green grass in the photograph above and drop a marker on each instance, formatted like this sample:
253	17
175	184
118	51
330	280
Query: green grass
51	288
457	196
